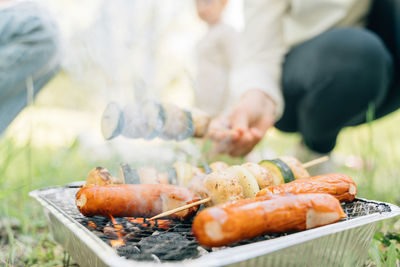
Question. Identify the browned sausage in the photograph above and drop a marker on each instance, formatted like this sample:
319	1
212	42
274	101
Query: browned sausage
338	185
244	219
144	200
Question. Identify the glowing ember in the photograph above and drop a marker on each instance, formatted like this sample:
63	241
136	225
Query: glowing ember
117	243
150	223
118	227
163	223
136	220
92	224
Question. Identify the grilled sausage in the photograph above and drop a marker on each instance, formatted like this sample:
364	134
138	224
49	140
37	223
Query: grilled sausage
338	185
244	219
135	200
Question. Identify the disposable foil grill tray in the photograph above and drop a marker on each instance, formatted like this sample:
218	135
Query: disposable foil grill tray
342	243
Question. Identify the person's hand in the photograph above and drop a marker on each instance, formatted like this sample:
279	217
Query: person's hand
238	132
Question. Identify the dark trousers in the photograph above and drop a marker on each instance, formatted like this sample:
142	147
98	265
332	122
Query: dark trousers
330	81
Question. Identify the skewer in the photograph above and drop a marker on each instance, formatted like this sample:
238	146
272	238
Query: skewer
305	165
315	162
169	212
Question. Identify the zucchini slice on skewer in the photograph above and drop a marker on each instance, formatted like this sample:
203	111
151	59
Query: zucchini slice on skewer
128	175
281	171
112	121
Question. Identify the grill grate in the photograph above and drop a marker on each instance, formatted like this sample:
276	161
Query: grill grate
167	240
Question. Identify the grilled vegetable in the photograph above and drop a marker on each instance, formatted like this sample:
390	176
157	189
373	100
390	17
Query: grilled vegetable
128	175
299	172
206	169
176	122
222	186
172	176
218	165
99	176
112	121
183	172
153	116
280	171
263	176
133	121
247	181
201	120
189	127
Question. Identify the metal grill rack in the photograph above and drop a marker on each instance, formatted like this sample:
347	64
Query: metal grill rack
167	241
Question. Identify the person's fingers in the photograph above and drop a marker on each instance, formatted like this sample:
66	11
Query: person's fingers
239	120
218	129
222	147
242	145
263	124
257	133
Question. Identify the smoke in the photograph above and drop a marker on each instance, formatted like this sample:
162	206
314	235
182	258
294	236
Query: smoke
127	51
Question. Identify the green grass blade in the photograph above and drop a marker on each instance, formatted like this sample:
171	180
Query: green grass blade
375	253
391	255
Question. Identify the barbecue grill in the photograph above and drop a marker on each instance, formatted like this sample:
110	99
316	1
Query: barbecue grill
98	241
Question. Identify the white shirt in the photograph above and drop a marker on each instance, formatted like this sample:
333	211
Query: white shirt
215	55
273	27
7	4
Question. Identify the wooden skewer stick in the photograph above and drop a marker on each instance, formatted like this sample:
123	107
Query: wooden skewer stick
74	186
181	208
315	162
305	165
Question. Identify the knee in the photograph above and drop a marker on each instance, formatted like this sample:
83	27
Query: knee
31	41
341	54
42	33
29	46
353	47
356	60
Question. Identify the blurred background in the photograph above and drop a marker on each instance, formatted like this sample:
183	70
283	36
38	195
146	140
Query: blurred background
123	50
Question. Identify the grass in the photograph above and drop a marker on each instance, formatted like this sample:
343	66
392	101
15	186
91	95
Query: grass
25	239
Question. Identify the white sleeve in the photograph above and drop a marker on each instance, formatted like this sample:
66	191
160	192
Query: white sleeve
261	52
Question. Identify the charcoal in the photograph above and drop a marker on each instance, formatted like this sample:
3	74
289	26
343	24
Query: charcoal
130	236
110	232
131	227
169	246
128	250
